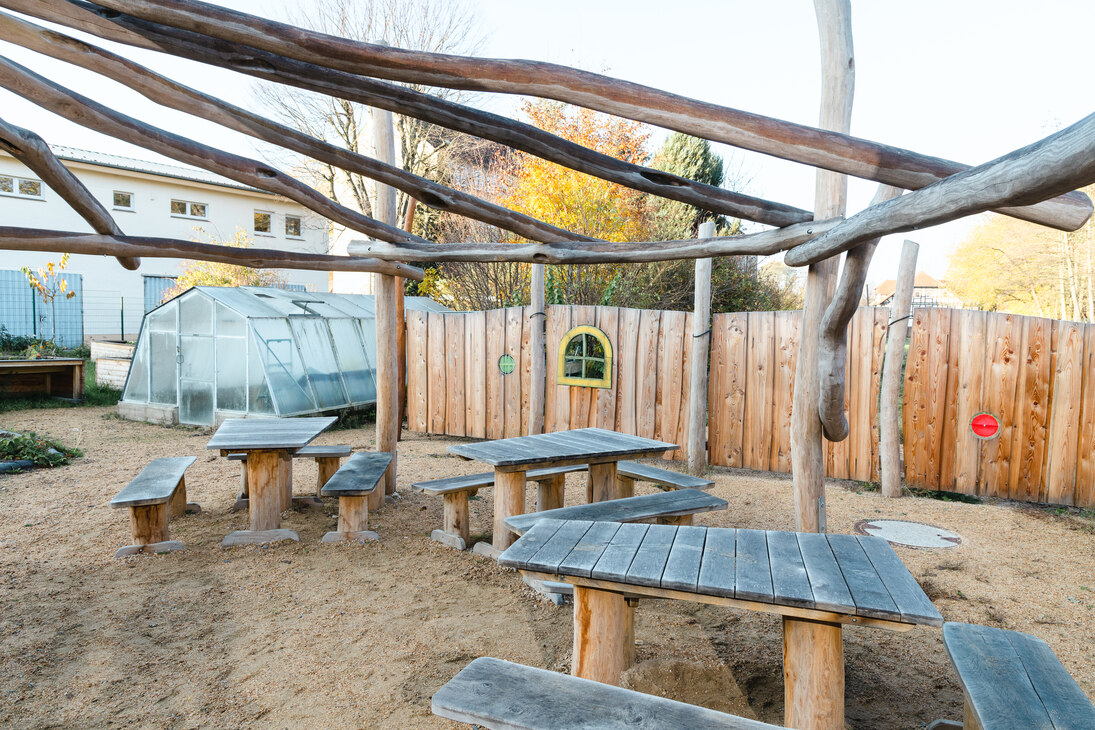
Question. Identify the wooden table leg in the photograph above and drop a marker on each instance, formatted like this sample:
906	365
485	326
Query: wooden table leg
456	517
326	466
550	492
604	635
264	486
813	675
625	487
285	479
509	500
602	480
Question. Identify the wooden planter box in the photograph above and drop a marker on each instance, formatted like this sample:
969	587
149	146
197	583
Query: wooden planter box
60	377
112	361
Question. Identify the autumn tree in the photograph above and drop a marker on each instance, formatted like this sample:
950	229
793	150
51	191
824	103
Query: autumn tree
210	273
49	283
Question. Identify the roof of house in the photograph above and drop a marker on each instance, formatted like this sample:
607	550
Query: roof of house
920	280
118	162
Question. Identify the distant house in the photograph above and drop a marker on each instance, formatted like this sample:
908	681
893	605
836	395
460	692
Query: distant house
146	199
927	292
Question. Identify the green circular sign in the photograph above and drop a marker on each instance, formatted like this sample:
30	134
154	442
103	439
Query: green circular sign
505	364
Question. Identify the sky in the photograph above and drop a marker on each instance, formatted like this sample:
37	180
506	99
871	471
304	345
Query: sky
966	80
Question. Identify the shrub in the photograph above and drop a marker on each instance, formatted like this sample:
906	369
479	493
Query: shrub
42	451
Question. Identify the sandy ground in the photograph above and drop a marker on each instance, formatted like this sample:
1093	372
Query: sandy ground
309	635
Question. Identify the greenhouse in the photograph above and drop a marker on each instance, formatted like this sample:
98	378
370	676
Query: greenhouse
215	352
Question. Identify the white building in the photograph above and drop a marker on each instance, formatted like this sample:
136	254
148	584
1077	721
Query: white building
150	199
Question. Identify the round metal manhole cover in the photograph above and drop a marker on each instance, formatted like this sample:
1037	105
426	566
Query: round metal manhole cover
909	534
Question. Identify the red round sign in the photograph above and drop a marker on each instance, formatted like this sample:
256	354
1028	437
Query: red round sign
984	425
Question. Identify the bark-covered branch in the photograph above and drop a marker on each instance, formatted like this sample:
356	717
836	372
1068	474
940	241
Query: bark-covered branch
30	149
829	150
1062	161
177	96
764	243
833	340
86	112
34	239
340	84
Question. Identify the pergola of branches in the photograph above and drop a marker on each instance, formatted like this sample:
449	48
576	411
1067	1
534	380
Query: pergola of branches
1036	183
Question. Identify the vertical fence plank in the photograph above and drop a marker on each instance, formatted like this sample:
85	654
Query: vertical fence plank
1030	410
524	364
454	374
1000	385
950	319
913	405
511	384
757	432
971	365
417	418
646	373
681	438
727	397
671	375
786	348
627	368
475	374
1085	470
1064	417
496	389
938	372
435	328
605	406
581	398
881	320
558	415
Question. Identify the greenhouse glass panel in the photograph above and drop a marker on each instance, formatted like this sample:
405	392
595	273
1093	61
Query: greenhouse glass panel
230	324
258	393
368	337
313	339
163	319
356	372
195	316
136	385
164	375
232	374
284	371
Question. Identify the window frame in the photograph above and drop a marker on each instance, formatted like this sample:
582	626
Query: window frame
300	223
254	223
188	214
15	193
131	208
581	331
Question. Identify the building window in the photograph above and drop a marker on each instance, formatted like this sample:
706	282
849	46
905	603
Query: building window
187	209
263	222
20	187
293	227
122	200
585	358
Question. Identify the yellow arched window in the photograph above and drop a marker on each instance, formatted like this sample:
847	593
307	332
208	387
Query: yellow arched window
585	358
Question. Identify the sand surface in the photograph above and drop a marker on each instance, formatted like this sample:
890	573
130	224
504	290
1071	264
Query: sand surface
350	636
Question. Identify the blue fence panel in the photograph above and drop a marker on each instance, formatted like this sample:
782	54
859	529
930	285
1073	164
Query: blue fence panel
23	314
154	289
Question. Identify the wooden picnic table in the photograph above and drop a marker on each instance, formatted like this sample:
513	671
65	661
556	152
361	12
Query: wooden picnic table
818	583
269	444
512	457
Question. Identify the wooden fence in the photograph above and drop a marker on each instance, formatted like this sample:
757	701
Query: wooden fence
1034	375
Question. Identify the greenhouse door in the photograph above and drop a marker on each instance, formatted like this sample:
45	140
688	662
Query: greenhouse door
196	380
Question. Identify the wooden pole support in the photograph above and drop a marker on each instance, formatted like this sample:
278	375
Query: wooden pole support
602	480
538	352
509	500
701	344
551	492
604	635
148	523
285	479
264	502
625	486
813	675
456	516
326	466
892	370
177	503
353	514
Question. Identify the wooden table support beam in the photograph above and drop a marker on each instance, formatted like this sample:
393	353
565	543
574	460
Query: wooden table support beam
604	635
602	480
509	499
550	493
813	675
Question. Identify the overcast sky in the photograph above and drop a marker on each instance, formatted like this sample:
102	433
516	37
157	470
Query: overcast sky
967	80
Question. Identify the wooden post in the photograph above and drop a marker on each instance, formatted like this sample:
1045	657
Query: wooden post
834	18
326	466
604	635
550	493
353	514
456	516
285	479
893	367
813	675
387	318
701	343
625	486
401	325
264	502
602	481
509	499
148	524
538	353
177	503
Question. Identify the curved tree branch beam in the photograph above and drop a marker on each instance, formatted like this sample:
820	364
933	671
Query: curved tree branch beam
34	239
764	243
88	113
30	149
828	150
496	128
833	340
183	98
1062	161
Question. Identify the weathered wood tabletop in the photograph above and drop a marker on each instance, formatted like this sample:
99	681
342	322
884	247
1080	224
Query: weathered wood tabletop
512	457
251	434
857	576
581	446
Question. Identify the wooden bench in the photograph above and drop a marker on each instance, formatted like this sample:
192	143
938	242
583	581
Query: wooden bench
629	472
157	494
493	693
1012	680
673	508
352	484
456	532
328	460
